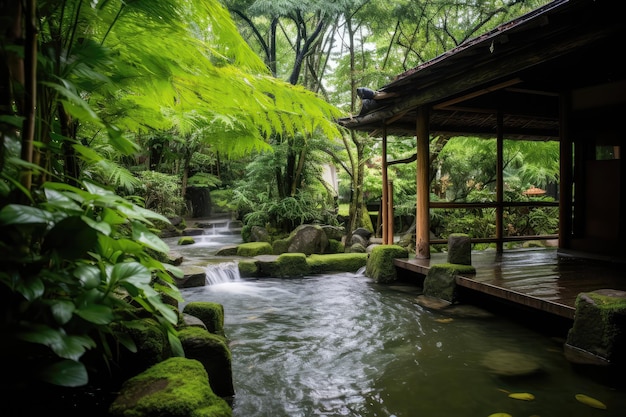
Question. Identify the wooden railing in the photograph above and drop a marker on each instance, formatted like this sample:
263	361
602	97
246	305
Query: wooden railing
498	206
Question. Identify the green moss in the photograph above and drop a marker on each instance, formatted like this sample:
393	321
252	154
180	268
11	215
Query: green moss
195	332
458	269
292	265
248	268
252	249
186	240
176	387
609	304
335	246
336	262
380	265
280	246
213	353
599	325
211	314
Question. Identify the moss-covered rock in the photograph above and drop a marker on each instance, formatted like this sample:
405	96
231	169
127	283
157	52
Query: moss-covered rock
247	268
336	262
459	249
211	314
229	250
380	265
267	266
307	239
186	240
440	281
600	325
193	276
152	347
211	350
357	248
252	249
176	387
292	265
280	246
335	246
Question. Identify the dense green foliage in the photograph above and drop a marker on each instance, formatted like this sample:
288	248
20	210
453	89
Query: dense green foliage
91	106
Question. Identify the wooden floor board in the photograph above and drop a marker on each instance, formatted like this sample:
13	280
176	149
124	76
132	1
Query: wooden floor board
535	278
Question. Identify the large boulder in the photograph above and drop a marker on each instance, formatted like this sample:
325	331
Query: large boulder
176	387
308	239
259	234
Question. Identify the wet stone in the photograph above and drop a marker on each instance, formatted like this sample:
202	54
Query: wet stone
506	363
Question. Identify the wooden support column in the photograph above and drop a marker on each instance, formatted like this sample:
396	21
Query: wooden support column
566	169
422	223
389	220
384	205
499	183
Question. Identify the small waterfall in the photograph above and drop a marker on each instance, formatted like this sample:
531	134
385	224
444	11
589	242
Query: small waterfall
222	272
218	228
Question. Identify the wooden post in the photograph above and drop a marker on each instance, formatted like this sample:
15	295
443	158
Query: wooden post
422	223
389	219
499	183
565	175
384	203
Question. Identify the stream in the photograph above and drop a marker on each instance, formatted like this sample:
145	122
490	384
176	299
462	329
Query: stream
343	345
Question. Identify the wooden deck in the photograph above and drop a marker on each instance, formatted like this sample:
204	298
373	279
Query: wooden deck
535	278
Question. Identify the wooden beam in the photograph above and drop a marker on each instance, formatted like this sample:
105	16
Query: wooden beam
478	93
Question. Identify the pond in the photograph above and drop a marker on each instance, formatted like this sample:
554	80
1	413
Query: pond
343	345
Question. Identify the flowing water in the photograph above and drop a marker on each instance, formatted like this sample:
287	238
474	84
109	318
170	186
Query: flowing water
342	345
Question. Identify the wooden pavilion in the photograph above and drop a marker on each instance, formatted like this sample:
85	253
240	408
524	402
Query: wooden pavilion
552	74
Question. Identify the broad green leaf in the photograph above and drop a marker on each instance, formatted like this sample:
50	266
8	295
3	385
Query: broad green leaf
89	275
142	235
112	217
72	346
18	214
175	344
174	270
61	201
102	227
165	309
66	373
126	340
62	310
132	272
31	287
95	313
41	334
